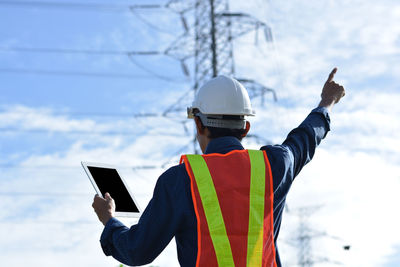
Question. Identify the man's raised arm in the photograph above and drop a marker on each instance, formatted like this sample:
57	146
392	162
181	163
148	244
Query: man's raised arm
303	140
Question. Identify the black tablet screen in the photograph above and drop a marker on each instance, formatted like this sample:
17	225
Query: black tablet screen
108	180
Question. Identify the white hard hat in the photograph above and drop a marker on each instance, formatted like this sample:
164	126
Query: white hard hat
219	97
222	95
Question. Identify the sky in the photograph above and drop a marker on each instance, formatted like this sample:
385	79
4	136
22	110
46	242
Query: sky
57	109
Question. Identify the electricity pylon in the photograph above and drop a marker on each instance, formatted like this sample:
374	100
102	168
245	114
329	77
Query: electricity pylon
209	41
307	254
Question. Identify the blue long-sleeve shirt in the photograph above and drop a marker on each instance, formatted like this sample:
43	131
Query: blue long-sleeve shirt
170	212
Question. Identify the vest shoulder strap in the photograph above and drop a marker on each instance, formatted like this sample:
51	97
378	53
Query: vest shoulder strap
212	210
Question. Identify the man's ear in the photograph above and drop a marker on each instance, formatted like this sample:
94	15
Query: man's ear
200	128
247	129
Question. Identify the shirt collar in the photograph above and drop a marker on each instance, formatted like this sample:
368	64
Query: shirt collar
223	145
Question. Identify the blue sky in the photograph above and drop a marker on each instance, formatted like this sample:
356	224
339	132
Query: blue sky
49	123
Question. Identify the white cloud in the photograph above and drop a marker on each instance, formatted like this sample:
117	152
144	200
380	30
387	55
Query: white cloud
356	193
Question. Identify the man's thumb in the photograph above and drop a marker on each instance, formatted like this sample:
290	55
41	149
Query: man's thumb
107	196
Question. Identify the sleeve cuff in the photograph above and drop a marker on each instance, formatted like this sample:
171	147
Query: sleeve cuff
106	235
325	113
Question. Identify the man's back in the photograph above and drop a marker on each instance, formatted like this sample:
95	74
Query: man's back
171	213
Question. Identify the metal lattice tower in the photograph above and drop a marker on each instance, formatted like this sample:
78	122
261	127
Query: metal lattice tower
213	41
304	240
210	42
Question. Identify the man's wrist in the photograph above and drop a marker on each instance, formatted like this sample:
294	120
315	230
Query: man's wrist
326	104
106	219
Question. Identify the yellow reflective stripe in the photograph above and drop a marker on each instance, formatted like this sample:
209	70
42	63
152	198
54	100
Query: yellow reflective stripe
256	209
212	210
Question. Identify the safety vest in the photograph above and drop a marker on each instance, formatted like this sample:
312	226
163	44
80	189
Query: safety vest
233	201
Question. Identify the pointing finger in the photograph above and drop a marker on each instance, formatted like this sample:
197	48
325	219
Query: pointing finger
331	75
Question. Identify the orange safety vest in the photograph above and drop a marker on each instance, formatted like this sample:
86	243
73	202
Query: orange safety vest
233	200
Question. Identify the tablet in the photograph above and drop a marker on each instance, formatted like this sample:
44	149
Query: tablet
106	178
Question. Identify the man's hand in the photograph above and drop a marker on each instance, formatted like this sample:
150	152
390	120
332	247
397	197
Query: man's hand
332	92
104	207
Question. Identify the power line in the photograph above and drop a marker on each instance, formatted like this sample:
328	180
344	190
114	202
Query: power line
77	73
48	50
149	24
136	116
46	222
159	76
79	6
44	194
64	167
77	51
98	7
4	130
50	131
96	114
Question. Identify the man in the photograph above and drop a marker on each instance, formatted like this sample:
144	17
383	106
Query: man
224	208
